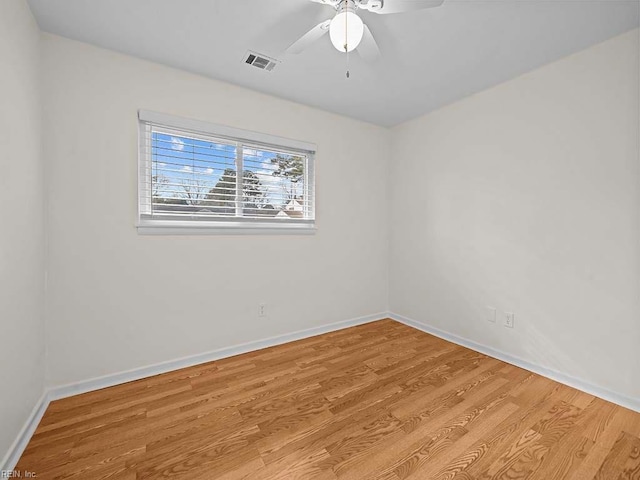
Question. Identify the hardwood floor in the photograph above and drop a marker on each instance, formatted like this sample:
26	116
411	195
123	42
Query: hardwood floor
378	401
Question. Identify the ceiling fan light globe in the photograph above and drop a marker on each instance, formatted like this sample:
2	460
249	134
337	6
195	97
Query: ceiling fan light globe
346	31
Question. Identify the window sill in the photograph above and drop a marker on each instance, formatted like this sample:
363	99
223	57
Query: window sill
219	228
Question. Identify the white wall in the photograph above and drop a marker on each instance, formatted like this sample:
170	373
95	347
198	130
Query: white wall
118	300
526	197
21	211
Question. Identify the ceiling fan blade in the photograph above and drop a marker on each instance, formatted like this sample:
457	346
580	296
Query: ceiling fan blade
368	48
331	3
399	6
313	35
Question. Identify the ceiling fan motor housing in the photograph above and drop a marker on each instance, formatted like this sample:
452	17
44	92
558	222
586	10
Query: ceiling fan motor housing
347	6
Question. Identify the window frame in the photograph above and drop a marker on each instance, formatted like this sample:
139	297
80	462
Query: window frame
242	139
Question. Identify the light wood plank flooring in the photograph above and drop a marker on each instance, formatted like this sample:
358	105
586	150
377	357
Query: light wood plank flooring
378	401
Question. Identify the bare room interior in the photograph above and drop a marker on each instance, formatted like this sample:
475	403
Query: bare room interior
320	239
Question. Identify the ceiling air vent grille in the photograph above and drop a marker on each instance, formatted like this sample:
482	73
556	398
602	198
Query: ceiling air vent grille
260	61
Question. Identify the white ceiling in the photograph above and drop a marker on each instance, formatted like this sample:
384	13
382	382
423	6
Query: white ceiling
430	58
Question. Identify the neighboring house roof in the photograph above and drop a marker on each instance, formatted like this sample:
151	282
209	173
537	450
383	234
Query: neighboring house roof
294	208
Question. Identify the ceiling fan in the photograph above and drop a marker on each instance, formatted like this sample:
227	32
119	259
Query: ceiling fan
347	30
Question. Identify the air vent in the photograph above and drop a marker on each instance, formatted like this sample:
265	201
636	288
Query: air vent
260	61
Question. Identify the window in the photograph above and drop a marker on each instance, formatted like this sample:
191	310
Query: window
196	177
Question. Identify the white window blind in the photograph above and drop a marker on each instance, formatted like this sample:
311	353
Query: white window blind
198	175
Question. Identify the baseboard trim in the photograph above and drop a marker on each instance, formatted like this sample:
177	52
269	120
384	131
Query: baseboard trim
20	443
600	392
63	391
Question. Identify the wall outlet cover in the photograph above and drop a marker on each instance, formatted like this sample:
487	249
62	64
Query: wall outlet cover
509	319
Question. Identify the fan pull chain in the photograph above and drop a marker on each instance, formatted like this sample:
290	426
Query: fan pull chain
346	46
348	74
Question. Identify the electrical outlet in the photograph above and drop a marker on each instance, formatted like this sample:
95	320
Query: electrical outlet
262	310
509	319
491	314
